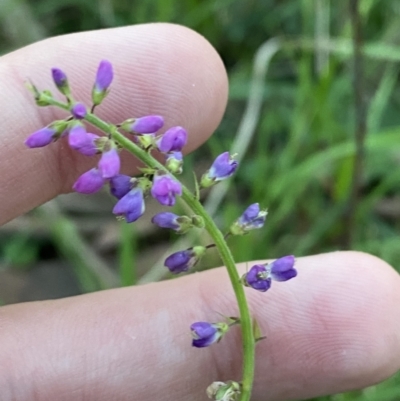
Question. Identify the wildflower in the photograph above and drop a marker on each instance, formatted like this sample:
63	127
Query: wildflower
251	219
41	138
61	81
223	167
180	224
82	141
89	182
109	163
205	334
173	140
104	78
182	261
220	391
259	277
174	162
131	206
143	125
165	189
79	111
120	185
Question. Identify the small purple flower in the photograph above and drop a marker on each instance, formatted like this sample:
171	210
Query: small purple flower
180	224
131	206
174	162
173	140
259	276
104	76
182	261
120	185
82	141
110	163
205	334
223	167
41	138
145	125
79	111
89	182
59	78
251	219
165	189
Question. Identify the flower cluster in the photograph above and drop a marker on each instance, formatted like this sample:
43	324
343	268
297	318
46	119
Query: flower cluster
159	182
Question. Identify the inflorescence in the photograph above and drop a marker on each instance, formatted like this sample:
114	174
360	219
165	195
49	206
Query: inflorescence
158	182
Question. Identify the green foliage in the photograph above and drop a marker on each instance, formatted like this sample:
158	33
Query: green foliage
300	161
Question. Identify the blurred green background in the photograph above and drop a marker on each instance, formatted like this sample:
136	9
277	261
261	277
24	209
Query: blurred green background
295	112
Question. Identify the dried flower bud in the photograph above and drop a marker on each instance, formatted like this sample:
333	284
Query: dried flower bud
131	206
174	162
165	189
223	167
143	125
180	224
205	334
89	182
220	391
104	78
259	277
79	111
182	261
251	219
173	140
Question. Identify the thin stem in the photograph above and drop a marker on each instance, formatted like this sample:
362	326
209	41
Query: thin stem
248	342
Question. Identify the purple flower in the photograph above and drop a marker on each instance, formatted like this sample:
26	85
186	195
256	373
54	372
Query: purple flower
205	334
223	167
41	138
251	219
144	125
109	163
180	224
174	162
82	141
173	140
131	206
120	185
104	76
259	276
165	189
182	261
79	111
59	78
89	182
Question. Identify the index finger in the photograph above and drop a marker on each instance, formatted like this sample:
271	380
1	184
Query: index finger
159	69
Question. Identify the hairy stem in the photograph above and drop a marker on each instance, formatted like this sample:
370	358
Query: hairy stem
248	341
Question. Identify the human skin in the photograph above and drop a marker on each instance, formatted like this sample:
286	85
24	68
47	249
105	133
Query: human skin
335	327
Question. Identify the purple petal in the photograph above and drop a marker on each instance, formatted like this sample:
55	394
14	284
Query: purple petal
250	214
147	124
40	138
104	76
165	189
223	167
204	334
59	77
79	111
173	140
282	269
110	164
166	220
82	141
257	278
131	206
178	262
89	182
120	185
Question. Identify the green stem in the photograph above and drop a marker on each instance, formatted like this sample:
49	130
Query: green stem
248	341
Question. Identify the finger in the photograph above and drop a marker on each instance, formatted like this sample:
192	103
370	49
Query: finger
159	69
333	328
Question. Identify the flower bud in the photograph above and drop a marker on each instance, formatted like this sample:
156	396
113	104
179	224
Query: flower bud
174	162
205	334
89	182
131	206
173	140
198	221
180	224
61	81
251	219
146	141
79	111
82	141
110	163
120	185
104	78
143	125
41	138
182	261
259	277
220	391
165	189
223	167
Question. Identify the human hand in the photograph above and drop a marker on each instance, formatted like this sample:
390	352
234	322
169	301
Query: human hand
332	329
